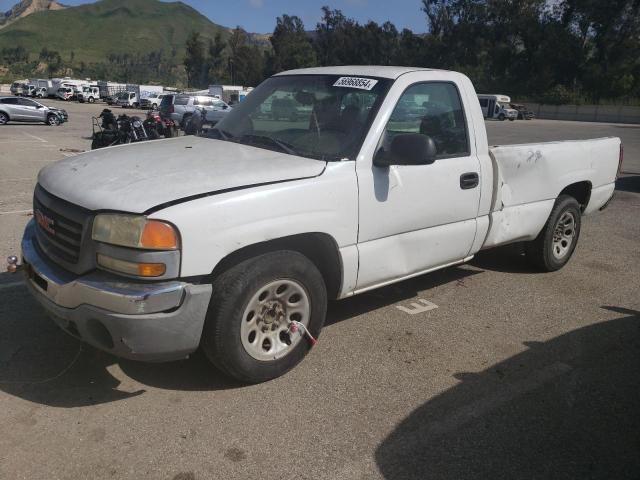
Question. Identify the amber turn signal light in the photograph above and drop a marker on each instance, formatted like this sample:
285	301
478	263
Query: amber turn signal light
158	235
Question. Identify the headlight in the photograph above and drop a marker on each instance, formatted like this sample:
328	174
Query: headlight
135	231
137	124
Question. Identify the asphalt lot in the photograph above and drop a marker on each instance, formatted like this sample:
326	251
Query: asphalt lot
515	374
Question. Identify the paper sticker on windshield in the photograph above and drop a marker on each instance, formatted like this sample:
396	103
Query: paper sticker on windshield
356	82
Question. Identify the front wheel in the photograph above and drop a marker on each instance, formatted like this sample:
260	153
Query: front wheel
247	330
501	117
53	120
555	244
4	118
91	100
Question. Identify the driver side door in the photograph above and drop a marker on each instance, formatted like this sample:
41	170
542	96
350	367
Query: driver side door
414	218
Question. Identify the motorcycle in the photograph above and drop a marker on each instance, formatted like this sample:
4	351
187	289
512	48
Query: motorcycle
157	126
108	131
195	122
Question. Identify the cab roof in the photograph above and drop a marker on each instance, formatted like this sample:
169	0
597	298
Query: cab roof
379	71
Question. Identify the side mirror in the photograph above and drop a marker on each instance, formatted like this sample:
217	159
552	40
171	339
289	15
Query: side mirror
408	149
224	107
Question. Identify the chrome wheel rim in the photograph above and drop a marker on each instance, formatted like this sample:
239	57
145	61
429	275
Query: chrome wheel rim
3	119
265	322
564	235
52	120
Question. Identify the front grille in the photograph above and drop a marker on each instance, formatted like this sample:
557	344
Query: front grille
63	232
64	236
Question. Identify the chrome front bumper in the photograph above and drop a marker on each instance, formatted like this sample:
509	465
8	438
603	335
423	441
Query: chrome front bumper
147	321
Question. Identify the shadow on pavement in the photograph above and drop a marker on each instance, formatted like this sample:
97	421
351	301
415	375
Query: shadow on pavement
629	183
567	408
506	259
405	290
41	363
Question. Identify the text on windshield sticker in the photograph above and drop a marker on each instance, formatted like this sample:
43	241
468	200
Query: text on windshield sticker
356	82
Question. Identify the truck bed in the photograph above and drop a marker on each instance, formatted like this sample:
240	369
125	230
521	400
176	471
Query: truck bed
529	177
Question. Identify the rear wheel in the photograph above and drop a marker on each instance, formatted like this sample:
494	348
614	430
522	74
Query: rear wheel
557	241
246	333
501	117
91	100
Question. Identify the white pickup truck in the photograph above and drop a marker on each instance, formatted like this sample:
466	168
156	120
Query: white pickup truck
234	241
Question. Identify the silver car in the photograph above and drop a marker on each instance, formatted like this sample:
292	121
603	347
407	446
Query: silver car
180	107
20	109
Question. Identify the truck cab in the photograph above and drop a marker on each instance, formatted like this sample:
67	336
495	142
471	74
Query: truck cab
29	90
89	94
128	100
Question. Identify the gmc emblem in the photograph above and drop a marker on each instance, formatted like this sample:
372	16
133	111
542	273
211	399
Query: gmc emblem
45	222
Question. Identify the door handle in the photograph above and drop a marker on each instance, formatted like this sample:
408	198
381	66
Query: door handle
469	180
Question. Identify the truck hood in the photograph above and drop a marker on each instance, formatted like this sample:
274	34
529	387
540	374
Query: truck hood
137	177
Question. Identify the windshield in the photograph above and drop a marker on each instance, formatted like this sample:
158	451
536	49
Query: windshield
316	116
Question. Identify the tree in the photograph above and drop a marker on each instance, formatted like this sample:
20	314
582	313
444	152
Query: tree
194	61
291	45
246	62
217	73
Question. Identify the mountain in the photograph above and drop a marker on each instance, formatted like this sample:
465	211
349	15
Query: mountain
110	27
27	7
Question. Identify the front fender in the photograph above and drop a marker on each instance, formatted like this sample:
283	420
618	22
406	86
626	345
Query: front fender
213	227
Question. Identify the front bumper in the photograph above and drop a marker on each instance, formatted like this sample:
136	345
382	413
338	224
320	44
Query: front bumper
136	320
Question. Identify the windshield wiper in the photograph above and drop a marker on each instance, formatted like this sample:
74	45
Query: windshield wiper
283	146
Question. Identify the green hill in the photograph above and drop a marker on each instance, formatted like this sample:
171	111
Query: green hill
96	30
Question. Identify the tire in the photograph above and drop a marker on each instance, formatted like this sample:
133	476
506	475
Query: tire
234	335
91	100
501	117
4	118
136	105
154	106
512	119
555	244
53	120
185	121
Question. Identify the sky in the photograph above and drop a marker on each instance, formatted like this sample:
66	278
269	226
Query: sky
259	16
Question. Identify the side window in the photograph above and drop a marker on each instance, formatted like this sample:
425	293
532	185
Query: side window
484	102
433	109
181	100
27	103
10	101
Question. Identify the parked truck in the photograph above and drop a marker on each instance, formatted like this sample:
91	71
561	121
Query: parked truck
89	94
235	241
136	94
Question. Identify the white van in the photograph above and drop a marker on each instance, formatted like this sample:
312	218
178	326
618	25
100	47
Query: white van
497	106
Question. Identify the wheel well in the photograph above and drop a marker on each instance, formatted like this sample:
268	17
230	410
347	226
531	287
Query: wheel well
2	111
320	248
581	191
